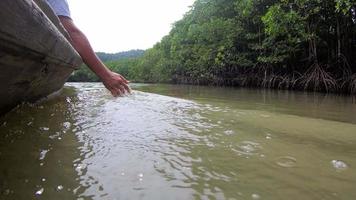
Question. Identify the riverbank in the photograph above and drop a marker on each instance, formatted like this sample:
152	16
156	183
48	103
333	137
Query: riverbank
315	80
294	45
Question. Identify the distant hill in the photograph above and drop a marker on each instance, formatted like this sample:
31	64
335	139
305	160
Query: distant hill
121	55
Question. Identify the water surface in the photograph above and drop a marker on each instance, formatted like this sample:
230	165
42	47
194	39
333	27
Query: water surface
180	142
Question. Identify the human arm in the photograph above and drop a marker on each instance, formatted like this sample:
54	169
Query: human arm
114	82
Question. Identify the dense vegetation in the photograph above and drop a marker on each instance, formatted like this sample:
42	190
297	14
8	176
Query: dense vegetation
286	44
116	61
118	56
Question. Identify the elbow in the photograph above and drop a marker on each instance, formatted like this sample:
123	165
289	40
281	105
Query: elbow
70	27
73	30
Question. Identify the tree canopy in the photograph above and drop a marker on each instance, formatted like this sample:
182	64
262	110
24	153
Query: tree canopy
286	44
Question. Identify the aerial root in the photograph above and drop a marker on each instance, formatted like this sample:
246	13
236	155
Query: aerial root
318	79
352	83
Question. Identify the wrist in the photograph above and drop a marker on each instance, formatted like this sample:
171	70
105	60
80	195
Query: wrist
105	75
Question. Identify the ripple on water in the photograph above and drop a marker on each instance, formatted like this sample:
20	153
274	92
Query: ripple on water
339	165
256	196
229	132
44	128
286	161
66	126
39	192
265	116
43	154
247	148
59	188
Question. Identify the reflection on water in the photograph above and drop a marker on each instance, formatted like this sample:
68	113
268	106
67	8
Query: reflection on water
179	142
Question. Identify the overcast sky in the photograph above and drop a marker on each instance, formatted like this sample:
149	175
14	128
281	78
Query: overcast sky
121	25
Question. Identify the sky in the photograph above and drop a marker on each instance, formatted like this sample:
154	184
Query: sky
121	25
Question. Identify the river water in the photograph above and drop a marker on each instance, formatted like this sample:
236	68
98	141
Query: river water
180	142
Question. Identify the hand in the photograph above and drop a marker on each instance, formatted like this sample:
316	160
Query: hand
116	84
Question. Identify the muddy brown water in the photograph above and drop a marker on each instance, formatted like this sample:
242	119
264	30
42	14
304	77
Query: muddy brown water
180	142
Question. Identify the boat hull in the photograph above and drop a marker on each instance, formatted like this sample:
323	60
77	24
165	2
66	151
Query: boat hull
36	58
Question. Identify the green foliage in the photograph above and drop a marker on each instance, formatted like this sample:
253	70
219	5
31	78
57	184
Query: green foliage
119	62
285	32
344	6
83	75
300	44
121	55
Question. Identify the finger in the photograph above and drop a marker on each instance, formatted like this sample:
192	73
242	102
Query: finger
127	88
124	79
121	90
115	92
112	91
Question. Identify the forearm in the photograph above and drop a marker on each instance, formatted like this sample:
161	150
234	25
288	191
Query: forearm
83	47
81	43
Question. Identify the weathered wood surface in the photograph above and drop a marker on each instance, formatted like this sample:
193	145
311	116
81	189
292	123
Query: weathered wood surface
35	57
52	16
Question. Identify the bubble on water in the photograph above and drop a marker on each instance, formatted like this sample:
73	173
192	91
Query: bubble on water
43	154
140	179
44	128
255	196
43	179
54	136
29	123
80	166
339	165
122	173
67	125
40	191
52	114
7	192
248	148
59	187
268	136
286	161
229	132
68	100
265	116
210	144
41	164
140	175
